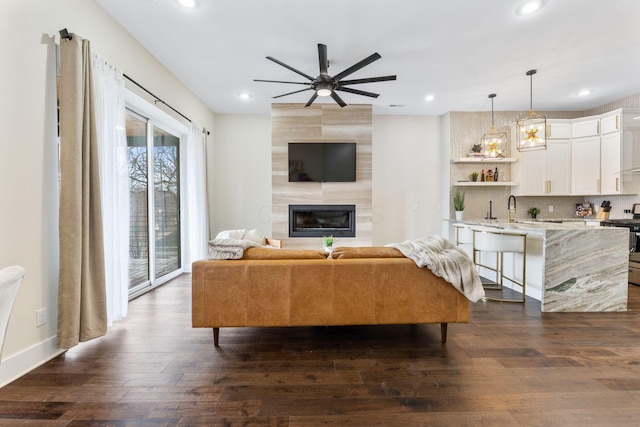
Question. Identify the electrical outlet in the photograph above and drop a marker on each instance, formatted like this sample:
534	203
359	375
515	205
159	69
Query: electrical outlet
41	317
550	208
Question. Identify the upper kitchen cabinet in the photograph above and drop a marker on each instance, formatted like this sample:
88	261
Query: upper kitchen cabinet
585	165
546	172
589	126
602	162
619	152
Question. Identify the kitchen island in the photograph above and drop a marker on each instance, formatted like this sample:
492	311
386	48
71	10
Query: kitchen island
571	267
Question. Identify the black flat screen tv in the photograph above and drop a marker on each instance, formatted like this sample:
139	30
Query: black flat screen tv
322	161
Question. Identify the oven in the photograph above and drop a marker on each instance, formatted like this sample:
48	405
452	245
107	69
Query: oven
634	241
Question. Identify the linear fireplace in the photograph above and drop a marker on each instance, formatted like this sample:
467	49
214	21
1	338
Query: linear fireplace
322	220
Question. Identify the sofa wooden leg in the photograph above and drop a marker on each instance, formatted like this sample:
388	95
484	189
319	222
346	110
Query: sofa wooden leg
443	332
216	337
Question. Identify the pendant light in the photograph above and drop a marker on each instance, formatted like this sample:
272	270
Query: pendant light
532	131
492	141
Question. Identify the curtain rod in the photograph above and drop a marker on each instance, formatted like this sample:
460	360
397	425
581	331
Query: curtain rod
157	99
64	33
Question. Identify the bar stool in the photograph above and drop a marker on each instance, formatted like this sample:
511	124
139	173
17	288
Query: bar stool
464	237
500	241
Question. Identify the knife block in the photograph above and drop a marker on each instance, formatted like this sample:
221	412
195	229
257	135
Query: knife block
602	214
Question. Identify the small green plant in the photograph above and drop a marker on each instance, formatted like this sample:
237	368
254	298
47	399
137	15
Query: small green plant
533	212
328	241
458	200
474	176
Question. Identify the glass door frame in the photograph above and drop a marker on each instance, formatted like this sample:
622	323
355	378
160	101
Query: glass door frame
156	118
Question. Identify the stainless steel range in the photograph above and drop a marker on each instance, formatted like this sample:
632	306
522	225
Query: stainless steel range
634	241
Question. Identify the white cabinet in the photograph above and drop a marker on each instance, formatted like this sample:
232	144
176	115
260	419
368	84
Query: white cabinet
558	167
619	151
585	165
585	127
547	172
610	163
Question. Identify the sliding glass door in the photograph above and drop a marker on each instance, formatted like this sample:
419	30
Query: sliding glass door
153	155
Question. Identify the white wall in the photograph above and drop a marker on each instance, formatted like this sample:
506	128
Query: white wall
407	171
241	173
27	173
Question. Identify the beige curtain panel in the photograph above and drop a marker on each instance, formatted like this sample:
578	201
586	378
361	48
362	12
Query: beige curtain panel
82	309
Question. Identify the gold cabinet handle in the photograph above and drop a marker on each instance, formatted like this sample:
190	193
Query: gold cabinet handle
548	131
598	126
617	184
617	122
598	185
548	186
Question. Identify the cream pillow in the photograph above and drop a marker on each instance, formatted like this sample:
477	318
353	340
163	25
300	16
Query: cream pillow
254	236
231	234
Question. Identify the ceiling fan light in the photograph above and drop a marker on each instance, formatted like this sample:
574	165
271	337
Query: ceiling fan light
323	89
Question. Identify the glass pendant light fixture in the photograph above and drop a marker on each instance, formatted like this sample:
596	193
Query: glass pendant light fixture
492	141
532	130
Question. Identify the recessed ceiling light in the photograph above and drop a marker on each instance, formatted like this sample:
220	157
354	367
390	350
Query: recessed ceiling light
585	92
188	3
529	7
244	95
429	98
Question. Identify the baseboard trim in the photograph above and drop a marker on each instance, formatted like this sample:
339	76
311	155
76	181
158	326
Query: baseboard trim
19	364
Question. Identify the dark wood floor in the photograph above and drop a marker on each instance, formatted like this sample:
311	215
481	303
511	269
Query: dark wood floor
510	366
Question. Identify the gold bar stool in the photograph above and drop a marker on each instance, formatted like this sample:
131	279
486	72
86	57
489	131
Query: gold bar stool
500	241
464	236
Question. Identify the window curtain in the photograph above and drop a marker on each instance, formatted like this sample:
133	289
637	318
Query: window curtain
114	179
197	212
82	311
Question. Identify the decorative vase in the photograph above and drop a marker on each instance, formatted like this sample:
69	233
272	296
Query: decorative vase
459	215
328	249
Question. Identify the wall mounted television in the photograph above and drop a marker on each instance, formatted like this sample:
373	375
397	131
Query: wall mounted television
322	161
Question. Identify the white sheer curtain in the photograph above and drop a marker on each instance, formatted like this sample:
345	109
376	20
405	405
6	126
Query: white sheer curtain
196	191
114	177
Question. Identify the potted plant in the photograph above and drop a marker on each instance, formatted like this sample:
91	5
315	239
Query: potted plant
474	176
327	242
533	212
458	203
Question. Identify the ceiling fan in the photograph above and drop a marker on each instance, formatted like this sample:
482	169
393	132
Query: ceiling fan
326	85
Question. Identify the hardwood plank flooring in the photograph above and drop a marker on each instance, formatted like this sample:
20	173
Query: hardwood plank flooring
509	366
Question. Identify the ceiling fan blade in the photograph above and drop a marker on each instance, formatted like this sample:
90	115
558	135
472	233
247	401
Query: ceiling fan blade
322	59
358	92
280	81
289	67
313	98
291	93
368	60
336	98
367	80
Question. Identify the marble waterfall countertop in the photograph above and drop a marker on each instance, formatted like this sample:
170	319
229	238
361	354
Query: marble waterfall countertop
574	267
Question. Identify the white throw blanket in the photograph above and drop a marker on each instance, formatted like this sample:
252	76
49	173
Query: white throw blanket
445	260
229	248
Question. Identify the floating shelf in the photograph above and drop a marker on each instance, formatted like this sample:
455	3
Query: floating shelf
484	184
484	160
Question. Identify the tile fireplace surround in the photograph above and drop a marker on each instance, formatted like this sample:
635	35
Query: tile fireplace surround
321	123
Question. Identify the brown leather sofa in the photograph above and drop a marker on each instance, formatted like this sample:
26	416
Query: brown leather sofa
357	286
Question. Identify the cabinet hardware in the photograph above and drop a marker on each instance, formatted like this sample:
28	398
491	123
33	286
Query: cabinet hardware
548	131
617	122
548	186
598	185
598	126
617	184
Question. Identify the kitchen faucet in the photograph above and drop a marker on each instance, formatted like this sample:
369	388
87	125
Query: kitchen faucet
511	211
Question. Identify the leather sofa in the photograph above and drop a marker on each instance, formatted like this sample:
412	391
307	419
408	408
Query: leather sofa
355	286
